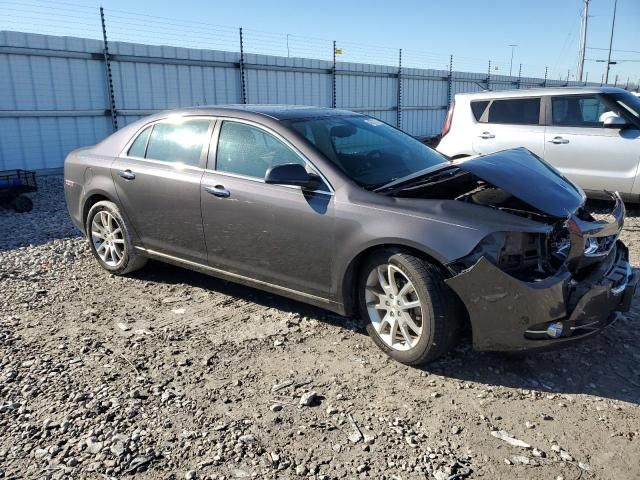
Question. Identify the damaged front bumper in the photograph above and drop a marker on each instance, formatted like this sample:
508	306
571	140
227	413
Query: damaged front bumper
508	314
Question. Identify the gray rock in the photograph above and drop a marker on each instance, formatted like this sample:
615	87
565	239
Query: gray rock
118	448
248	439
307	399
504	436
93	446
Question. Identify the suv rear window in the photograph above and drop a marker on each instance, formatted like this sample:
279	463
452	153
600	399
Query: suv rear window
517	111
478	108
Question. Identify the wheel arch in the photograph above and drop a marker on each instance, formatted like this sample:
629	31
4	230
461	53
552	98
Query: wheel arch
348	285
90	200
97	195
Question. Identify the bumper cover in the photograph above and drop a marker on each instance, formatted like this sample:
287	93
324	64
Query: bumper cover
508	314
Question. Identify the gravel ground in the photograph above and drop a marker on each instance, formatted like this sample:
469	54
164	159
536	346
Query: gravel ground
172	374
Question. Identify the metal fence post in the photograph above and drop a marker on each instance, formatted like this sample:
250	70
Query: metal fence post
399	109
586	78
243	85
519	75
333	78
450	82
488	80
108	75
615	82
546	72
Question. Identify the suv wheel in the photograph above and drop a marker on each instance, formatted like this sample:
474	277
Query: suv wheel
410	312
110	240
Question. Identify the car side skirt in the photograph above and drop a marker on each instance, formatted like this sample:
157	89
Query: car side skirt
247	281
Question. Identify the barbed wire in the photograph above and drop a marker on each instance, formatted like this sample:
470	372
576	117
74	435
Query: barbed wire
64	17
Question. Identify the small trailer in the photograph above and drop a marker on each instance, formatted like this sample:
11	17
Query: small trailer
14	184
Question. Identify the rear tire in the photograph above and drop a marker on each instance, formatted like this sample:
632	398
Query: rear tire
418	319
110	239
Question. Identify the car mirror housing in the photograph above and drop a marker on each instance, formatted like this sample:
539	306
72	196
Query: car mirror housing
614	121
291	174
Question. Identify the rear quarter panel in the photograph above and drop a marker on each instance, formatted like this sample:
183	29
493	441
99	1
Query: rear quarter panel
86	175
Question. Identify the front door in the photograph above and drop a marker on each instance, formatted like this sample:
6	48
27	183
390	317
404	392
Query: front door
594	157
277	234
158	184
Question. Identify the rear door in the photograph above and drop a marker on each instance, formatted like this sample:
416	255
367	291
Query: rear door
158	178
508	123
278	234
594	157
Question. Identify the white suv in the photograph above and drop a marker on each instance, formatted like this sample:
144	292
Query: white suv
592	135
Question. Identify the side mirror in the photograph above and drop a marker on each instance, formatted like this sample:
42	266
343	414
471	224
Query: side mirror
291	174
614	122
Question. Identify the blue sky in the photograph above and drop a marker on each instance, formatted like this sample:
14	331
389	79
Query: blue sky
546	31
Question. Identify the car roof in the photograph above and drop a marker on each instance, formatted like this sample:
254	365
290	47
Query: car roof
537	92
277	112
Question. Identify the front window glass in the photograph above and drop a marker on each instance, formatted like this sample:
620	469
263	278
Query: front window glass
178	141
578	111
250	151
367	150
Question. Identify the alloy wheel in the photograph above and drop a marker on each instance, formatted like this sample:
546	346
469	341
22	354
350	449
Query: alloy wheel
394	308
108	238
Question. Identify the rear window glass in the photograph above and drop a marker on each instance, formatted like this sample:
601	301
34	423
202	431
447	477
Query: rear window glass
139	146
478	108
521	111
179	142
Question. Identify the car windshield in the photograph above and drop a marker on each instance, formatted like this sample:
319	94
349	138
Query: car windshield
630	106
369	151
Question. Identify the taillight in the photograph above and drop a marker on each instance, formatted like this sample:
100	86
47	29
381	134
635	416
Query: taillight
447	121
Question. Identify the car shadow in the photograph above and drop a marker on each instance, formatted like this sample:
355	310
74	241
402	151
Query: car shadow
603	366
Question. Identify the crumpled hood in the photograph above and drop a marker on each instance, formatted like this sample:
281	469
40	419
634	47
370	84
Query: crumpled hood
528	178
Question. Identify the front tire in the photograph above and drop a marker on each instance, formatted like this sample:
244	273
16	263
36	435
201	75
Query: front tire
410	313
110	239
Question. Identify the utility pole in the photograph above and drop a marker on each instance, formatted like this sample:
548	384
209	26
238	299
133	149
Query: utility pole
583	39
511	63
613	24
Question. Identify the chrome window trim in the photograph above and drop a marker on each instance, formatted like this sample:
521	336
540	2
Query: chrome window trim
279	137
176	165
217	118
124	152
261	180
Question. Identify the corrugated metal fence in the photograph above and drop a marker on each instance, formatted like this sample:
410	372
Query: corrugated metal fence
55	95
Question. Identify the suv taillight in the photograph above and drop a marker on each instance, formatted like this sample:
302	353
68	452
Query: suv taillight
447	121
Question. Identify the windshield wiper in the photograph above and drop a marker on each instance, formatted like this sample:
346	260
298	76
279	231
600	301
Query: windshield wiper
413	179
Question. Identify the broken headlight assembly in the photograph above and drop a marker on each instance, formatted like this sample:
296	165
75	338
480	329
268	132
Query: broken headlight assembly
525	256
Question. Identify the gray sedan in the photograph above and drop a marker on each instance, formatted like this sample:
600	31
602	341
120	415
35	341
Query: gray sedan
345	212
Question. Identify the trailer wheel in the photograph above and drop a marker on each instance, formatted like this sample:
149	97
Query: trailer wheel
22	204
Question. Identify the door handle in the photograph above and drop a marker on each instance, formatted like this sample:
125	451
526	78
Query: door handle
127	174
559	140
487	135
218	191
